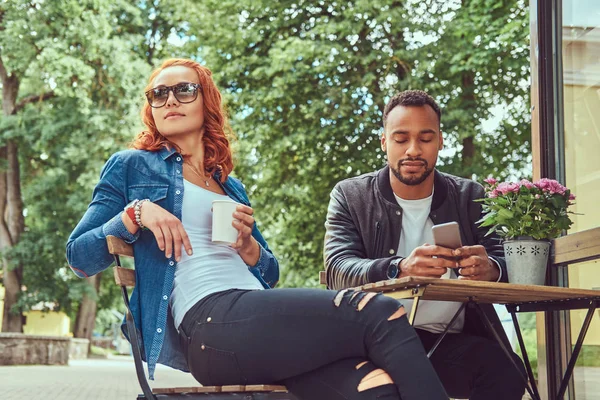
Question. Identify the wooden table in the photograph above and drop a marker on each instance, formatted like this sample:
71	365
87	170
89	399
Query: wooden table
516	298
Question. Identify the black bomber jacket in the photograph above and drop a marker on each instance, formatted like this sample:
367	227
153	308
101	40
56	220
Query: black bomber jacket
364	222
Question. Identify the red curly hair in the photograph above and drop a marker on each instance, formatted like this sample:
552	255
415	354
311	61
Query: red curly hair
217	151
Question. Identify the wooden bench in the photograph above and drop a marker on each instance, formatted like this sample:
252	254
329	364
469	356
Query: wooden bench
125	277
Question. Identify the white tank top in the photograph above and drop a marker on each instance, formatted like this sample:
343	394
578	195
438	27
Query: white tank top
213	267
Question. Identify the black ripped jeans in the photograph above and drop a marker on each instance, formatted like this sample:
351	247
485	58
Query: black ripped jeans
300	338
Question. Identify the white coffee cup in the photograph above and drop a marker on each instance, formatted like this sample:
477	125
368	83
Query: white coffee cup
222	230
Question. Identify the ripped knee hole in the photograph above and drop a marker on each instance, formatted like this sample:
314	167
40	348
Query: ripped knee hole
363	302
358	366
399	312
375	378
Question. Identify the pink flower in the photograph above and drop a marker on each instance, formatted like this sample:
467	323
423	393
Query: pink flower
507	187
493	194
551	186
491	181
543	184
526	183
571	197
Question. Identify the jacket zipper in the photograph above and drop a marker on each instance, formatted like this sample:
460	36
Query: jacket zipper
377	238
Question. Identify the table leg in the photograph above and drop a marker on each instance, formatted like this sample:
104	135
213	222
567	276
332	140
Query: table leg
513	314
534	394
413	310
414	293
439	339
586	324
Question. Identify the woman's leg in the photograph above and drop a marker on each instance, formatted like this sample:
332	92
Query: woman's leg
272	335
347	379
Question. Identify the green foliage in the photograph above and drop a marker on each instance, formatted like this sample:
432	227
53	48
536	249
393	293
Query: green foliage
527	322
73	50
478	68
306	83
589	356
538	209
100	352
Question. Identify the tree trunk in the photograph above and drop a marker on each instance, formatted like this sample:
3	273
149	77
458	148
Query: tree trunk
86	314
11	210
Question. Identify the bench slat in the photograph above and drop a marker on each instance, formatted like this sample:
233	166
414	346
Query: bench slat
266	388
576	247
118	246
206	389
221	389
233	388
323	277
124	276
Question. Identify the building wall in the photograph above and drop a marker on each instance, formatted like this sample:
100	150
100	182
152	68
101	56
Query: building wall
47	323
42	323
1	304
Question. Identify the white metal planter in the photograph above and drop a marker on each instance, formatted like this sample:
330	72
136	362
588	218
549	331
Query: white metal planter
526	260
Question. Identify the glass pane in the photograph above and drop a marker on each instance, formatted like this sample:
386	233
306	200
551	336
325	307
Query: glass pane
581	66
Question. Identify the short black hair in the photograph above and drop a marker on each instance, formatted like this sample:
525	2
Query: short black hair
410	98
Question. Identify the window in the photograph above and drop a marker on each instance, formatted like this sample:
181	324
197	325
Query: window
581	116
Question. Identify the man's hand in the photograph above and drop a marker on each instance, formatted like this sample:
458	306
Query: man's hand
427	260
475	264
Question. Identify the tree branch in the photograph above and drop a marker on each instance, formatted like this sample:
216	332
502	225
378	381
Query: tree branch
30	99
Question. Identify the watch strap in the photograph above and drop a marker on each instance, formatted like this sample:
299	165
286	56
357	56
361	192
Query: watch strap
394	268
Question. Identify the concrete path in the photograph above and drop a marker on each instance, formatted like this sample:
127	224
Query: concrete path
92	379
114	379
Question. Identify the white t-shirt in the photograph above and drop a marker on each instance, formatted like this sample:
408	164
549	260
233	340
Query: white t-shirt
432	316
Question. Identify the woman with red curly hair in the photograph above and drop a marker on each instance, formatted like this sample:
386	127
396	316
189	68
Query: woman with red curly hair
200	305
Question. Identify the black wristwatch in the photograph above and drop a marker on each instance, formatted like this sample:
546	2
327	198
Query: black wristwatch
393	270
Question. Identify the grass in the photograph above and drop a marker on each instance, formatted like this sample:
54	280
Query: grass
588	357
101	352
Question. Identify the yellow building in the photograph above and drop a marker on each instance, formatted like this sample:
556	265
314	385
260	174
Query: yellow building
46	323
1	303
49	323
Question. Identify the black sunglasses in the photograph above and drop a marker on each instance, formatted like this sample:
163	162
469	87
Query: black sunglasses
183	92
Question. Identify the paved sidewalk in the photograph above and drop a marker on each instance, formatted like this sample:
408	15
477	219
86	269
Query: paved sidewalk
91	379
114	379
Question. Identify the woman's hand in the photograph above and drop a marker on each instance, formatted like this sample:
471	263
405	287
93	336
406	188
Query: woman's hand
167	229
247	247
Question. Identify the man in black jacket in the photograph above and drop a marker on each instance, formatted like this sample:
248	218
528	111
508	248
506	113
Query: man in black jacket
379	227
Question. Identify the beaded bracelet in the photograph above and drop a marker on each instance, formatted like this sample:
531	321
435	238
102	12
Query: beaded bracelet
137	210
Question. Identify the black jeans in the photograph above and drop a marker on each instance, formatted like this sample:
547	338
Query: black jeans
300	338
474	367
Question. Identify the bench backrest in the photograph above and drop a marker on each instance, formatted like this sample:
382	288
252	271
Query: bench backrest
576	247
117	247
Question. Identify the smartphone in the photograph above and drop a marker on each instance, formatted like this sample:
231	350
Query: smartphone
447	235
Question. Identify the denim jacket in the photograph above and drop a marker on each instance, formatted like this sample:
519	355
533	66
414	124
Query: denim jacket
138	174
